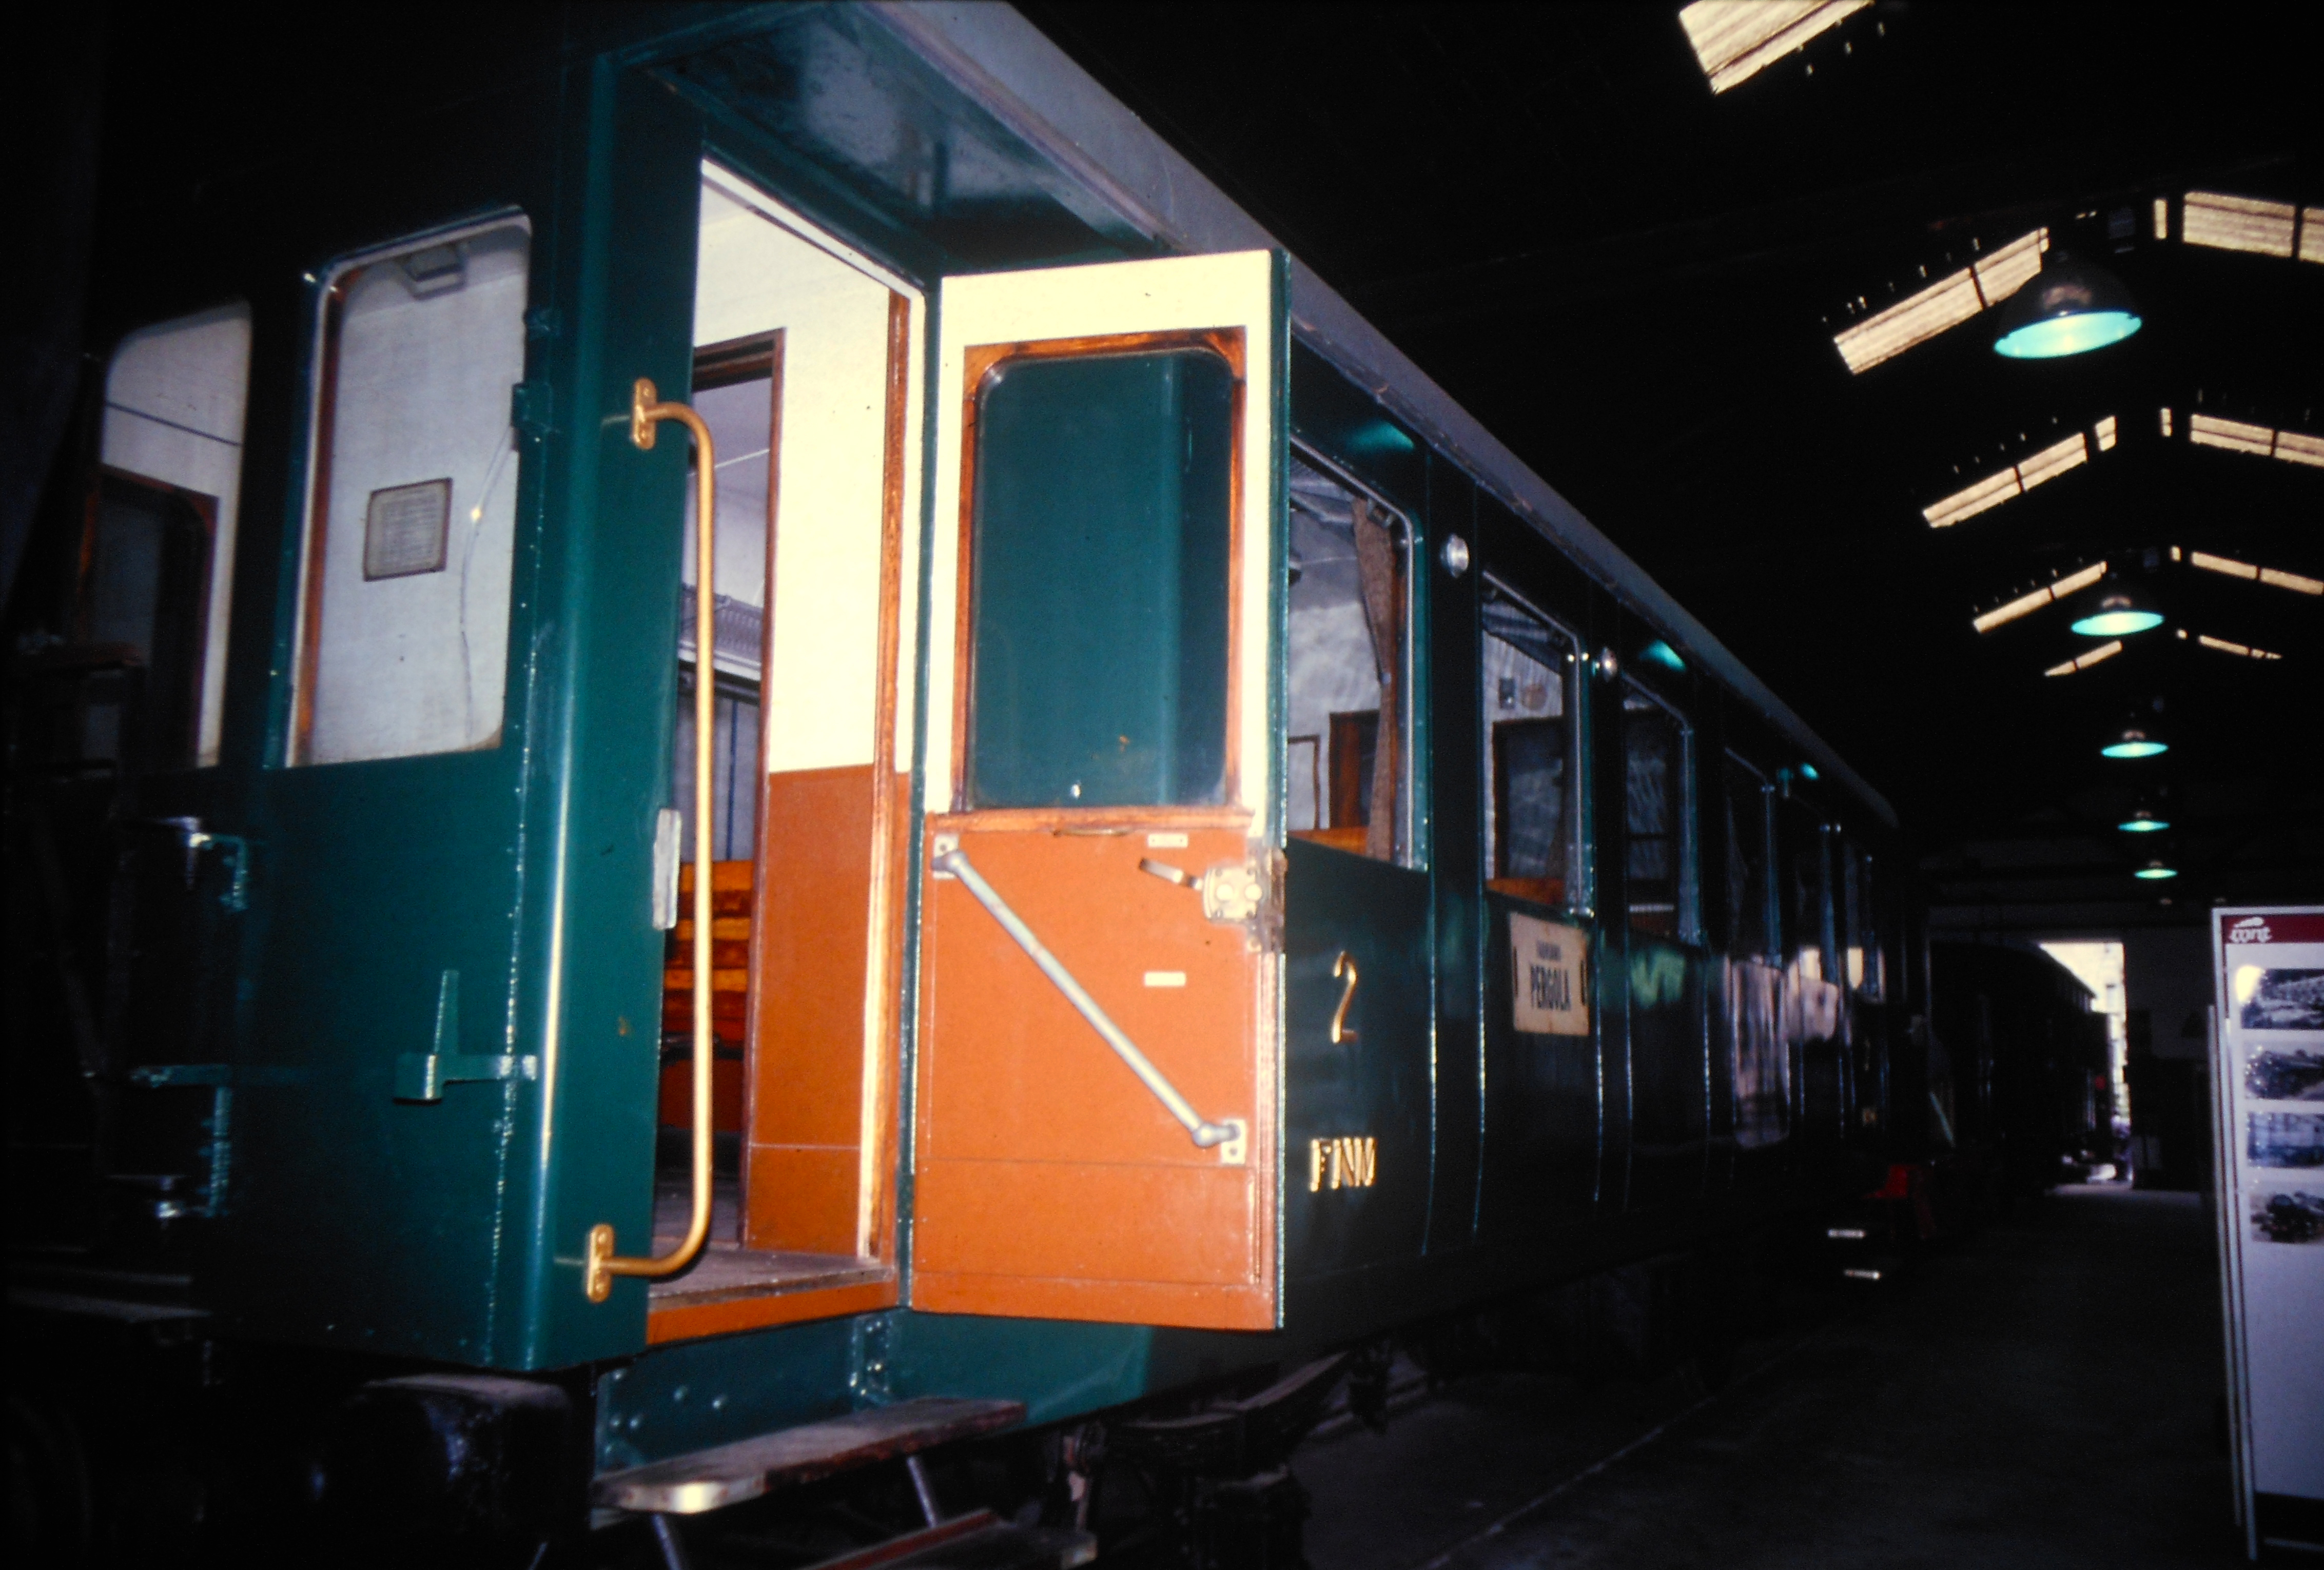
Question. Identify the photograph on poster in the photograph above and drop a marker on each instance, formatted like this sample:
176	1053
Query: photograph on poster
2279	1074
2296	1217
2286	1139
2278	1000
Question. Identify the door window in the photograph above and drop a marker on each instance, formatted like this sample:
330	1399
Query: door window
1100	575
158	562
1347	676
1658	857
1861	943
1804	893
1749	897
1530	761
403	632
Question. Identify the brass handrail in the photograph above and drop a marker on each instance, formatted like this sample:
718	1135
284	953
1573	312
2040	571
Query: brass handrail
647	411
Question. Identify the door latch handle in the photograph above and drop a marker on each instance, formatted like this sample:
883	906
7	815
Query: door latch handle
1232	892
1343	969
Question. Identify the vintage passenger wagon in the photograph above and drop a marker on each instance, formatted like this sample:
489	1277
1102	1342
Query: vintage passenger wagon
780	751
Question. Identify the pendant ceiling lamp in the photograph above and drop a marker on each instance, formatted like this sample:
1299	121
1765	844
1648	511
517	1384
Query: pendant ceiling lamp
2070	309
2134	741
2117	614
2143	822
2153	872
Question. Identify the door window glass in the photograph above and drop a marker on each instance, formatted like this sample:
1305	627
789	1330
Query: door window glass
1804	892
1747	891
1658	855
403	638
1346	678
1530	766
1862	943
1100	569
158	563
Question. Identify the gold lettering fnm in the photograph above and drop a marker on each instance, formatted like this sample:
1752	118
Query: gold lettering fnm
1345	1161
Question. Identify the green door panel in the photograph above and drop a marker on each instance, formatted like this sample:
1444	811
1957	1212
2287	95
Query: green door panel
1544	1103
1100	580
453	1228
1377	1085
1670	1073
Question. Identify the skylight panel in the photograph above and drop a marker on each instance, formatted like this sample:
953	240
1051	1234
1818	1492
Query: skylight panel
2267	575
2311	233
2224	647
2166	423
2232	223
1735	40
2259	441
2026	604
1948	302
2104	430
2083	662
2014	481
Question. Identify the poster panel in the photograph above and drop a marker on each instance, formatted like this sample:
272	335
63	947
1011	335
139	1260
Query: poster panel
2269	1071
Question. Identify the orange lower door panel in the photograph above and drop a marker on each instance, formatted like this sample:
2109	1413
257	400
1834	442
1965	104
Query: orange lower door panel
1050	1182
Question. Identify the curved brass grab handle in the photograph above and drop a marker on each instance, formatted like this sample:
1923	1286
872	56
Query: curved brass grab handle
647	411
1345	966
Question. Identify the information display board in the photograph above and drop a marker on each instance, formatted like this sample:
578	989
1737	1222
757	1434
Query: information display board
2268	1071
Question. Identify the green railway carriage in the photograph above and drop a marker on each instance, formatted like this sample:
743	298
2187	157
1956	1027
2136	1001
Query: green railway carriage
1150	852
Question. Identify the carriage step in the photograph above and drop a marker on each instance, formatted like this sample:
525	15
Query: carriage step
706	1480
978	1541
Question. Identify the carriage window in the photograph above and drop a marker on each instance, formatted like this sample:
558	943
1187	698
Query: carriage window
1862	926
1656	863
1101	534
1349	712
1529	754
1804	889
404	634
1748	800
158	561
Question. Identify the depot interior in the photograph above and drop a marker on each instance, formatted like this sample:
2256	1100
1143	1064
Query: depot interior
1750	315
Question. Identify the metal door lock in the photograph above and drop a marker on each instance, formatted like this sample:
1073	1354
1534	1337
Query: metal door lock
1232	892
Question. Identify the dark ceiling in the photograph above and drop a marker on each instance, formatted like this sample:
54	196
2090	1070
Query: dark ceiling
1635	284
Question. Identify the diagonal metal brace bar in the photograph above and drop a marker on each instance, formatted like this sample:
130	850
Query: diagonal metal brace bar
1204	1134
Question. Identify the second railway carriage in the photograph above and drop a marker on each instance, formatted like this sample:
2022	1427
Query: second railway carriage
805	542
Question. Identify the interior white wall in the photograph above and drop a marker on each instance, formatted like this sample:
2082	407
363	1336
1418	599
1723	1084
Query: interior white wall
758	272
406	666
176	397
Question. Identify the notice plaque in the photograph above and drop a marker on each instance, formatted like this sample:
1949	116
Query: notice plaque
406	529
1546	967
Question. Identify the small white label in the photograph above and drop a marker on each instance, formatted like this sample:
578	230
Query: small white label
1166	842
1166	978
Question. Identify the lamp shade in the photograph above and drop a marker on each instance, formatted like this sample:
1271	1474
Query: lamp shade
2134	742
2070	309
2117	614
2143	822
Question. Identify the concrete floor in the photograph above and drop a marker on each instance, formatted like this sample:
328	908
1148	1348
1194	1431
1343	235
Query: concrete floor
2045	1394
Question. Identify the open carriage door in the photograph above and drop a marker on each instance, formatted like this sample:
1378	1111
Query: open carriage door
1096	1131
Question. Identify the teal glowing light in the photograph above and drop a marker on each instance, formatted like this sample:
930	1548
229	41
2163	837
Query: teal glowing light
2156	870
1808	771
2054	338
2143	822
2133	744
1661	653
2116	622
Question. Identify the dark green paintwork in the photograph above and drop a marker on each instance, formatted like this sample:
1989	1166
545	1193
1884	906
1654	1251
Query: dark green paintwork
452	1228
1380	1083
1101	538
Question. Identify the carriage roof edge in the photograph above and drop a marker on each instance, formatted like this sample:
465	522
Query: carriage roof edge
1000	59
